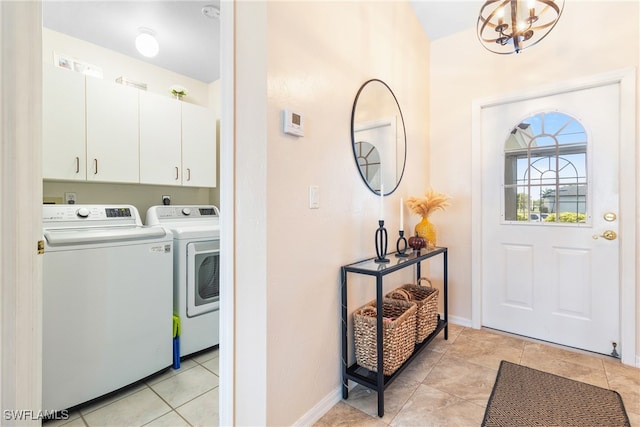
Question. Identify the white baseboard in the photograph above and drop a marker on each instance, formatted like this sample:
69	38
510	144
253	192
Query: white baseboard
329	401
460	321
321	408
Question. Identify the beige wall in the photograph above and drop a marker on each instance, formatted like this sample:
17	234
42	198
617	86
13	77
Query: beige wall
314	56
461	71
141	196
158	80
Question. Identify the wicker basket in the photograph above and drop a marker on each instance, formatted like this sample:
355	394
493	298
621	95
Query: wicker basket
398	335
426	299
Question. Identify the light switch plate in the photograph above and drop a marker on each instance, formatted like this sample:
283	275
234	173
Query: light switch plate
314	197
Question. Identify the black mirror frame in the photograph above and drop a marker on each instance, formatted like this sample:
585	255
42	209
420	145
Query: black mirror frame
353	141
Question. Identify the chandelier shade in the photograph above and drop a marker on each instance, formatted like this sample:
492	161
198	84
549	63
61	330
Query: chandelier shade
510	26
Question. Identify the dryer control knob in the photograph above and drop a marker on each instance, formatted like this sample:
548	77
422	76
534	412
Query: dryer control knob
82	212
186	211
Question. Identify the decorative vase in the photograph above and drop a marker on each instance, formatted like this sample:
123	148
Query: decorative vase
427	231
416	242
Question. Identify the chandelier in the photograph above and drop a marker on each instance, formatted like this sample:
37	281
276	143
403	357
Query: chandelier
509	26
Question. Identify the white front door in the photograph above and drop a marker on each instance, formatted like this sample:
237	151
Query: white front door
550	191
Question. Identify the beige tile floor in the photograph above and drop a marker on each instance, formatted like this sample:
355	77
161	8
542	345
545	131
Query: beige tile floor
450	382
447	385
184	397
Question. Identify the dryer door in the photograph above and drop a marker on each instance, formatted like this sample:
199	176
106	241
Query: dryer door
203	277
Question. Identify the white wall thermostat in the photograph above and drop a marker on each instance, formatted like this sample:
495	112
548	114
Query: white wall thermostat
293	123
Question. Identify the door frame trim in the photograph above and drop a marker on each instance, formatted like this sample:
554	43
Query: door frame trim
626	79
226	399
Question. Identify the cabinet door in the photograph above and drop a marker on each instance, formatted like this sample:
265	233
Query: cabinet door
63	130
160	157
198	146
112	132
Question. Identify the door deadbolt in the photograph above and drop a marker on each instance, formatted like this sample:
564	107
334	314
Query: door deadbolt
609	235
610	216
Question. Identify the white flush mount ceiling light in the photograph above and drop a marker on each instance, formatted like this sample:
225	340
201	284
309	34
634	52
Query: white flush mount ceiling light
509	26
146	42
211	11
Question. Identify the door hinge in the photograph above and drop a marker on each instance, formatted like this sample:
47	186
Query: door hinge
40	247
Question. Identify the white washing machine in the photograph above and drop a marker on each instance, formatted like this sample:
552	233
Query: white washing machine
196	298
107	303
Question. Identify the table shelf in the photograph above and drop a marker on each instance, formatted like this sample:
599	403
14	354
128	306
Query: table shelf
376	380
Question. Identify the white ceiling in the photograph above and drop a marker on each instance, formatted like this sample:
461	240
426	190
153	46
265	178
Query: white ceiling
189	41
441	18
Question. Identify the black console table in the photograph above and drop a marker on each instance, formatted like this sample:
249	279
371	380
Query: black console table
377	380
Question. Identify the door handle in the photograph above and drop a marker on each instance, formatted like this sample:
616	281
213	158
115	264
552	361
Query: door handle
609	235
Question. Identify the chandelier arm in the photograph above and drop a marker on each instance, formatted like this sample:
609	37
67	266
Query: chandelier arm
487	22
514	25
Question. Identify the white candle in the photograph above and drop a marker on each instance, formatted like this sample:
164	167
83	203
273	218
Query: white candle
381	202
401	215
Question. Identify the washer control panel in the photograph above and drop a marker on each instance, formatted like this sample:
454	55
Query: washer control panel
111	214
183	212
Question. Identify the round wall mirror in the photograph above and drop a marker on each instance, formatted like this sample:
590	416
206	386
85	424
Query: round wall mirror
378	136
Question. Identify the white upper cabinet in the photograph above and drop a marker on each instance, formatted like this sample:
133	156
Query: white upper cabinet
160	146
63	124
112	132
198	146
96	130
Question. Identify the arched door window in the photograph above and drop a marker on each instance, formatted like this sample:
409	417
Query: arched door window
545	170
368	158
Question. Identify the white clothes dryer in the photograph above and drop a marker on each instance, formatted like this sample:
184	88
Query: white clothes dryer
196	279
107	302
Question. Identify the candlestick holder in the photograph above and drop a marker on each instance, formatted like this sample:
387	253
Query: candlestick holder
402	251
381	243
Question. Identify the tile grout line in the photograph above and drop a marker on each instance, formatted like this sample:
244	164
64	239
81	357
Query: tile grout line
172	409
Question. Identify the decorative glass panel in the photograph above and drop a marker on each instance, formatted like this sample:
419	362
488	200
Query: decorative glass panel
545	170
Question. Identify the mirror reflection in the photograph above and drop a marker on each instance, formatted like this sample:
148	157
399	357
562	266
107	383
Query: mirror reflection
378	136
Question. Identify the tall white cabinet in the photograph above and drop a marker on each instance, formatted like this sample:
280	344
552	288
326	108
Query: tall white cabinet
63	129
198	153
177	142
160	140
96	130
112	132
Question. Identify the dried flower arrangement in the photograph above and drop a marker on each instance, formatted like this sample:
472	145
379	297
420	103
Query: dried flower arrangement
432	201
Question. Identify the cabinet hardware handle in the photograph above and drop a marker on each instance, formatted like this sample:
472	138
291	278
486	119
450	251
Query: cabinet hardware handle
77	164
177	173
95	163
188	174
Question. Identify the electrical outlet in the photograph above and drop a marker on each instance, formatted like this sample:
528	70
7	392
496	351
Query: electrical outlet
166	200
70	198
